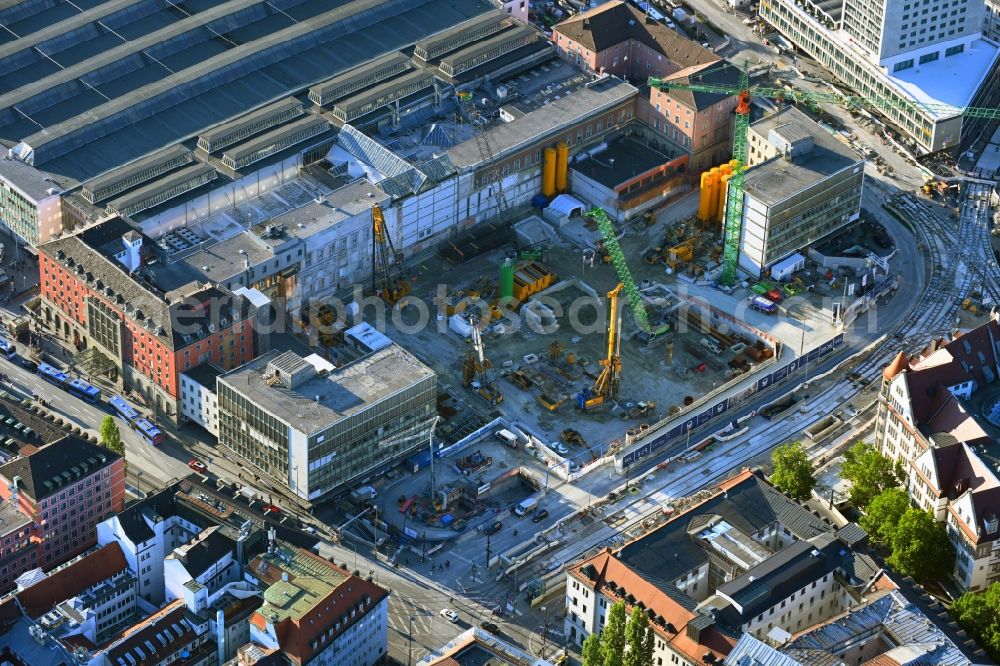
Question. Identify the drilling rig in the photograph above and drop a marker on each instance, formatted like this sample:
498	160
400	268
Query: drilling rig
387	280
476	371
606	385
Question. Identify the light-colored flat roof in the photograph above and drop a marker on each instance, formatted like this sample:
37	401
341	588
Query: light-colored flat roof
27	179
953	80
583	103
322	401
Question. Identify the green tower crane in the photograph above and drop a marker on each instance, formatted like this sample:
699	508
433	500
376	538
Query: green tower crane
624	274
734	196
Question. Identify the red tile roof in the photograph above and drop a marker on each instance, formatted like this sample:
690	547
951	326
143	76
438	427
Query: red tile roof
174	635
900	363
295	636
609	569
70	581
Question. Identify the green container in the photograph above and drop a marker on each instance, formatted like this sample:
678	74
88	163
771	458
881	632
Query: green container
507	278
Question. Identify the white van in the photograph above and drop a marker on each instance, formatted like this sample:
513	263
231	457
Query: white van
526	506
507	437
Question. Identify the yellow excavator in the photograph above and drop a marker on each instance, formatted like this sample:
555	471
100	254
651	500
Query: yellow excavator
387	281
606	385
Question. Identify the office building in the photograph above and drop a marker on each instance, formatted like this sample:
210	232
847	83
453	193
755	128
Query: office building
96	291
53	498
802	185
938	415
314	612
908	52
991	27
30	203
313	427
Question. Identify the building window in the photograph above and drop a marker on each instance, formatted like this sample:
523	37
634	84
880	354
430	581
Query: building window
954	50
929	57
900	66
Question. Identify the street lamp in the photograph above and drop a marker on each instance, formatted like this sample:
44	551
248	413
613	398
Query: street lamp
545	630
409	648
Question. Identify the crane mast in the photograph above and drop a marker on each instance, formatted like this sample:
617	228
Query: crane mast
387	282
624	273
734	195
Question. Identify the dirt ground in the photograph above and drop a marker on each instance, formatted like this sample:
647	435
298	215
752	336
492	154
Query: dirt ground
656	372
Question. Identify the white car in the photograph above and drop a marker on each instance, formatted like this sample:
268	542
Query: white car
449	615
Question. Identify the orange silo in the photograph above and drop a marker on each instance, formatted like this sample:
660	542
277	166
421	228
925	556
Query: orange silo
704	203
549	171
723	193
713	199
562	167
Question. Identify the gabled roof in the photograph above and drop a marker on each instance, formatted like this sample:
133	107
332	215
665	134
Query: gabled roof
70	581
713	73
900	363
607	575
615	22
54	466
746	502
155	639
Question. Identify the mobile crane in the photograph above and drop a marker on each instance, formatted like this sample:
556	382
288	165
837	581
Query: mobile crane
387	282
734	194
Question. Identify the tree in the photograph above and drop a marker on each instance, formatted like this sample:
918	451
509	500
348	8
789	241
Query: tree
111	438
920	546
648	646
793	473
613	636
883	514
869	473
622	642
592	654
635	637
979	614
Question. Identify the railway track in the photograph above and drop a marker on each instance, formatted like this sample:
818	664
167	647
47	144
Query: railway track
961	261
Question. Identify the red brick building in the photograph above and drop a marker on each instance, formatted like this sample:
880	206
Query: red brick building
52	499
616	38
94	292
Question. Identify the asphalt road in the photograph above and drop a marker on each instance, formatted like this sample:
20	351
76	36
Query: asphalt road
157	464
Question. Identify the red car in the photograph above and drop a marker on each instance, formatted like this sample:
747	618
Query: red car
271	508
197	465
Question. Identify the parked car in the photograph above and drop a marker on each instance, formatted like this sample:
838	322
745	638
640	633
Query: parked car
449	615
493	528
490	627
197	465
540	516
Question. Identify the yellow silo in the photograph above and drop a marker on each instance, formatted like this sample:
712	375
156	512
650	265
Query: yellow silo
549	171
562	167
